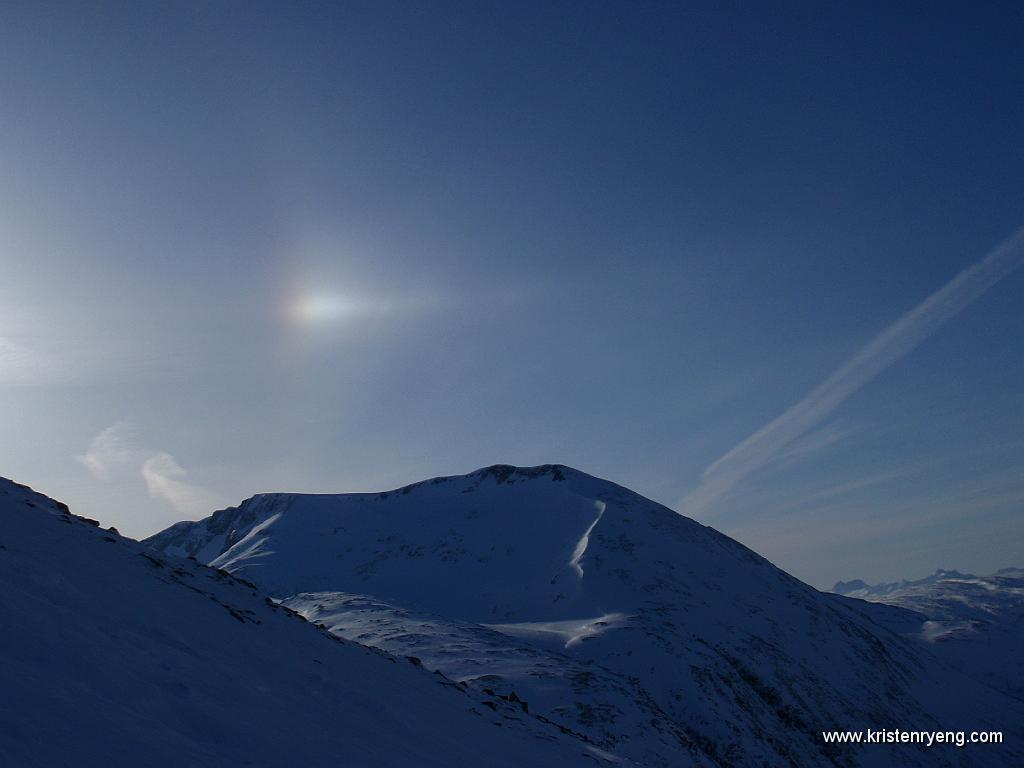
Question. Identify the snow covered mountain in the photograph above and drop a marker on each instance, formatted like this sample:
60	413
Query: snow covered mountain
974	622
658	639
114	655
948	592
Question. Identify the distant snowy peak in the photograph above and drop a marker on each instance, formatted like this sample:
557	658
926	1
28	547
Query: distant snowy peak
949	595
859	588
847	587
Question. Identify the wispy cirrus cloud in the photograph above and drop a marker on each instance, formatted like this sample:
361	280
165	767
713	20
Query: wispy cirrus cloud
888	347
21	365
168	482
112	449
813	442
116	450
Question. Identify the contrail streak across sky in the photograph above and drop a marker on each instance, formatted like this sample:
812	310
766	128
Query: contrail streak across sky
885	349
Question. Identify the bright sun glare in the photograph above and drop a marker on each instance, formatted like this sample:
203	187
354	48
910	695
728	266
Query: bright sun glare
318	308
324	308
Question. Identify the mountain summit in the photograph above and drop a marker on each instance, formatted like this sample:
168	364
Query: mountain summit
657	638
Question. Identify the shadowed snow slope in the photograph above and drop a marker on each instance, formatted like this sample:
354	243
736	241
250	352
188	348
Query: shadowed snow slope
114	655
721	651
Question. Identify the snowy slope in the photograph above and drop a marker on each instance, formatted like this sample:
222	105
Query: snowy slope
974	622
578	695
745	662
114	655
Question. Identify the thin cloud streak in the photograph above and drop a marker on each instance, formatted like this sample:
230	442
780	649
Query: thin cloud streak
888	347
813	442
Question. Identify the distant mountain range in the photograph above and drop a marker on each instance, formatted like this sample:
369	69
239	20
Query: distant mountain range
976	623
1003	583
652	638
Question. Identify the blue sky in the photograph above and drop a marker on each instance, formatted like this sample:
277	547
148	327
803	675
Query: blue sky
340	247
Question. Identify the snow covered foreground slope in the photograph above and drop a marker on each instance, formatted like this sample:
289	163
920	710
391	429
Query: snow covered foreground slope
113	655
648	633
